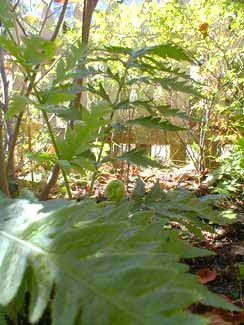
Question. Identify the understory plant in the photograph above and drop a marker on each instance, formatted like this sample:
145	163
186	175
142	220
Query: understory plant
228	178
84	146
93	264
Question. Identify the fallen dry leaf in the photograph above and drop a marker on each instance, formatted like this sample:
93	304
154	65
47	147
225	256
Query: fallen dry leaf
238	250
216	319
218	316
206	275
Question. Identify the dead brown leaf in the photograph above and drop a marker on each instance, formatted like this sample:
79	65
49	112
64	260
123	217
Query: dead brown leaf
216	319
206	275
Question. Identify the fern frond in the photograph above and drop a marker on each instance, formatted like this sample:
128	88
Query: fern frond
99	265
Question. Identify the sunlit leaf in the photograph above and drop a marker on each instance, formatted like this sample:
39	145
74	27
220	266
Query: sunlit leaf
60	94
156	123
38	50
81	256
140	158
18	104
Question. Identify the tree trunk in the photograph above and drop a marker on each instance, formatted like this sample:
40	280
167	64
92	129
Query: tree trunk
89	7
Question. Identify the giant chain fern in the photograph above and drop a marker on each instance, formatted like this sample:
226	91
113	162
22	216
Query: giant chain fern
113	264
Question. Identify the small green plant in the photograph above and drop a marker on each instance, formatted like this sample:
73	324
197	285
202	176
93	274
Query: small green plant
115	190
228	178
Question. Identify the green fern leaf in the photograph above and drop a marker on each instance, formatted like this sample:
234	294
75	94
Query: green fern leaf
99	265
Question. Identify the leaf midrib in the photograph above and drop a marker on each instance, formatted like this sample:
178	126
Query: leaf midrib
71	275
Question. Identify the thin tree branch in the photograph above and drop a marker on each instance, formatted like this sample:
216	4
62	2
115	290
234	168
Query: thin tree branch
3	177
12	145
46	17
4	79
60	21
21	27
16	5
17	20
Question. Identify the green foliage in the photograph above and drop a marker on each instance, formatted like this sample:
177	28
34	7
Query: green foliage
181	206
60	94
156	123
18	104
42	157
176	85
110	72
241	270
115	263
139	157
6	14
157	56
33	51
38	50
119	263
228	178
171	51
215	55
2	317
163	51
98	121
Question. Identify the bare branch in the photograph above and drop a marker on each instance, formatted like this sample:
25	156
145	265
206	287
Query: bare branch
4	79
16	5
46	17
3	177
21	26
60	21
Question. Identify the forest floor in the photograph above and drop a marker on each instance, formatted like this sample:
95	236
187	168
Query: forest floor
221	272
